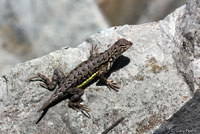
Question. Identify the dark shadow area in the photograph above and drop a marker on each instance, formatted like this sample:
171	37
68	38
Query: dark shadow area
41	116
185	121
121	62
51	105
113	125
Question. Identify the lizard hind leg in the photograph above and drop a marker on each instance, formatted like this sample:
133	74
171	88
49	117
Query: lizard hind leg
75	101
80	107
58	78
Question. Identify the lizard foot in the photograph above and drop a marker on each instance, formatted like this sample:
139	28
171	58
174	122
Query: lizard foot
38	77
112	85
80	107
57	79
45	82
94	51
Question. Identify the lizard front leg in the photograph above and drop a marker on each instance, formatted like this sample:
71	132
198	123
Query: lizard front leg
94	51
104	69
109	83
58	78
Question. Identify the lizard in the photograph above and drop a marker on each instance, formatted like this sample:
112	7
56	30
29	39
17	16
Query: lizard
70	86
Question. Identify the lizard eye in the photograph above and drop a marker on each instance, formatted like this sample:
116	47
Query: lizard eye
124	46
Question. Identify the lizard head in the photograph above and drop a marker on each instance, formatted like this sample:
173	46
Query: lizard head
120	46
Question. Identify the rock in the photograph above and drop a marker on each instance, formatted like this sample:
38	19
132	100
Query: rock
34	28
150	76
186	120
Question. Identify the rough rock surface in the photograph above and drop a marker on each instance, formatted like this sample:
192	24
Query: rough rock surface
150	75
185	121
187	58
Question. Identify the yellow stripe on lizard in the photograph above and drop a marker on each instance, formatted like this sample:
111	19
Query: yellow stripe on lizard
90	78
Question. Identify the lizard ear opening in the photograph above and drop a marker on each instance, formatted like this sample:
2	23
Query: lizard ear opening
110	59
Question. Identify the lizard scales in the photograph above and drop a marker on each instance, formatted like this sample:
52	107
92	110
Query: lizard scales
93	65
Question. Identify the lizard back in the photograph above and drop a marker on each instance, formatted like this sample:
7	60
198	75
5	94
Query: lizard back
88	70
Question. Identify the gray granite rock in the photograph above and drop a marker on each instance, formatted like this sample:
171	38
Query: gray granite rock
186	120
150	76
187	41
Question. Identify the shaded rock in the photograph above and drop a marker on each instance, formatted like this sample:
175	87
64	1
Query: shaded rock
186	120
152	85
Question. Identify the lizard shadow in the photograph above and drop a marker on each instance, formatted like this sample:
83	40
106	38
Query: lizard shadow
41	116
52	104
120	62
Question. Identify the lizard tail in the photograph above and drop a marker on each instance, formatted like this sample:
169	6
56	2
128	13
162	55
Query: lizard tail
48	103
45	106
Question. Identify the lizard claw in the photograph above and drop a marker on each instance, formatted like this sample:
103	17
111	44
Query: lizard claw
85	110
112	85
86	113
38	77
41	78
94	51
44	85
45	81
84	107
80	107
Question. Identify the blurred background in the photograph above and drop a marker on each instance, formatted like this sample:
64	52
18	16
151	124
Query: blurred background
33	28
